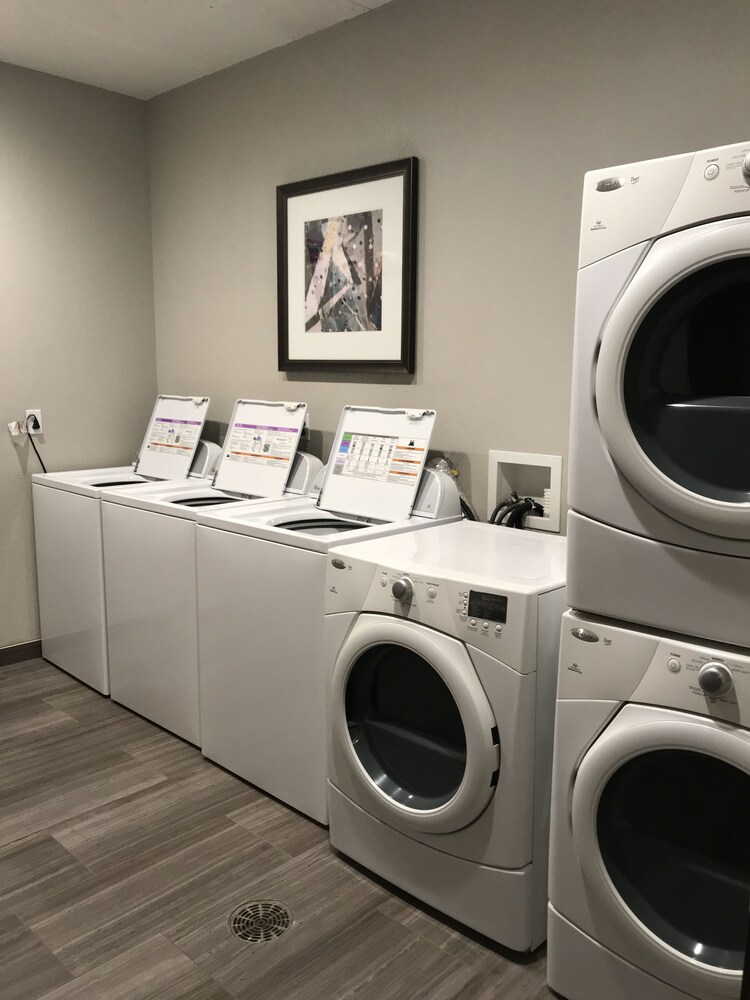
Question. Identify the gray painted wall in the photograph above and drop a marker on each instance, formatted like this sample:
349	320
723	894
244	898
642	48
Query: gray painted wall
506	105
76	298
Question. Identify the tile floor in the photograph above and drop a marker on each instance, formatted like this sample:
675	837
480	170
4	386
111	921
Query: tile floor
123	852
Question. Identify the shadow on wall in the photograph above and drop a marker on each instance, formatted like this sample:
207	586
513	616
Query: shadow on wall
358	378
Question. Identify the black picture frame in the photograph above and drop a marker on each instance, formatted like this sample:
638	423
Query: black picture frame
394	270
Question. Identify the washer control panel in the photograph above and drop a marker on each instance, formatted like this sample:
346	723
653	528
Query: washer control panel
599	660
708	680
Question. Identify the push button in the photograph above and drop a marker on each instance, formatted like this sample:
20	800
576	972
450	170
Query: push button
711	172
673	665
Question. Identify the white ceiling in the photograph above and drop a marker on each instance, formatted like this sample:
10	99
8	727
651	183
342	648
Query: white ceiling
145	47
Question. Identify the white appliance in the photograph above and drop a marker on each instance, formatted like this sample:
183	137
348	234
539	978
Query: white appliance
68	534
261	582
442	650
650	845
659	531
150	562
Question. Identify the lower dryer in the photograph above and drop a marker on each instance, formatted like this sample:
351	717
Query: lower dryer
443	646
650	844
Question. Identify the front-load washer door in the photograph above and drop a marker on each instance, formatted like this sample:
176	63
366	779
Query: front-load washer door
412	718
673	378
661	825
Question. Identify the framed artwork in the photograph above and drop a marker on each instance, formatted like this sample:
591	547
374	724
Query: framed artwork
347	270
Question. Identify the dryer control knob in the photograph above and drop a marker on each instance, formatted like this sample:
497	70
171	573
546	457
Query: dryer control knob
715	679
746	167
403	589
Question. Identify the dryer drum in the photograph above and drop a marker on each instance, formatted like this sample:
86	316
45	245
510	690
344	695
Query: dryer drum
674	834
686	382
405	727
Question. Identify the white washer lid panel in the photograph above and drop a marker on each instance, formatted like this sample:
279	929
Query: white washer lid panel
172	437
376	462
260	447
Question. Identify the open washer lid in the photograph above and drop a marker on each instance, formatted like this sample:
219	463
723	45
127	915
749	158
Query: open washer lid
260	447
376	462
172	436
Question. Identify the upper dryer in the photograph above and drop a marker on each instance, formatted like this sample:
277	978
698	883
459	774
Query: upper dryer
628	204
660	420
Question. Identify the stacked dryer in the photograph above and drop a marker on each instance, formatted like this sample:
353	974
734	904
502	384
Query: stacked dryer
650	862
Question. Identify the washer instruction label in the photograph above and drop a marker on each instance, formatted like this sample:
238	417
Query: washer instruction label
380	457
261	444
168	436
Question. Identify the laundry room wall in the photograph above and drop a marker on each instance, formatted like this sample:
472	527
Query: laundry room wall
76	299
506	105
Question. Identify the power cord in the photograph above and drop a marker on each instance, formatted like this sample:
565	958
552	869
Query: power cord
34	426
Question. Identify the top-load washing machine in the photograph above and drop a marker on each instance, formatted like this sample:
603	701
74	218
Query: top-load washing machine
442	661
68	534
150	563
659	531
261	582
650	842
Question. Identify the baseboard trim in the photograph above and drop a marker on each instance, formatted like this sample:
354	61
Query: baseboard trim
20	652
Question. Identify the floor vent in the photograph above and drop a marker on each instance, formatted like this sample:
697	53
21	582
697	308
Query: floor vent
261	920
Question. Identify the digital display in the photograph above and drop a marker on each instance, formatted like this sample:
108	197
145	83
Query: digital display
491	606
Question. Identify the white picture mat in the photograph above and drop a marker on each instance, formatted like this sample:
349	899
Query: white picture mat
386	195
383	501
157	464
253	479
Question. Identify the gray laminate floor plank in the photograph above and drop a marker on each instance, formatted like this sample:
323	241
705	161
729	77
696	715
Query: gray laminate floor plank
123	852
175	896
152	825
167	754
282	827
27	968
153	970
24	716
57	801
33	678
35	868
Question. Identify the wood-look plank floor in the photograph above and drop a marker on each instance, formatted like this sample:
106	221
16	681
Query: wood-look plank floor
123	852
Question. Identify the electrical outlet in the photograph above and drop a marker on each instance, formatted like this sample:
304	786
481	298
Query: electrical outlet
38	415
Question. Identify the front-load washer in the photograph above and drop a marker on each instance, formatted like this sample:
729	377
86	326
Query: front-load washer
150	562
442	649
659	531
68	534
650	843
261	582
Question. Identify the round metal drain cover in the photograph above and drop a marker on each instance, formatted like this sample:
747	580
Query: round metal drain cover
261	920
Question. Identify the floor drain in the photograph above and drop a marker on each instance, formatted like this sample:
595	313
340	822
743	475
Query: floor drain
261	920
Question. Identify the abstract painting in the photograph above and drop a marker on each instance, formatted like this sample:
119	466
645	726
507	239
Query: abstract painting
346	253
343	271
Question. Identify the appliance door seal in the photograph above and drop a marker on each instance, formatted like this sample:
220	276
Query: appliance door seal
411	715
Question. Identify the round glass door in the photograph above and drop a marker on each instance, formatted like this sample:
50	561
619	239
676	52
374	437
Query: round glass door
405	727
673	829
686	382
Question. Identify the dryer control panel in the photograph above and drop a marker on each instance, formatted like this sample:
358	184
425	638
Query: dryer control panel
499	622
